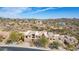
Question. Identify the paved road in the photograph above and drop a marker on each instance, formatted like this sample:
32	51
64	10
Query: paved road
5	48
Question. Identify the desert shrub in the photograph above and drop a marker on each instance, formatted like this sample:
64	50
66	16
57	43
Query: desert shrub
70	47
9	42
54	45
15	37
1	38
43	41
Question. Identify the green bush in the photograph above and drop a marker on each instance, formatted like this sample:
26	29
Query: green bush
43	41
54	45
16	36
71	47
9	42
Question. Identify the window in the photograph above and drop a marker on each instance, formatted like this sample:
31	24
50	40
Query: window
26	36
53	39
50	39
65	42
33	35
59	38
70	39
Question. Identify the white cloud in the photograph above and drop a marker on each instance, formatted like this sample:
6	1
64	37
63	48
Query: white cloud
42	10
18	12
13	11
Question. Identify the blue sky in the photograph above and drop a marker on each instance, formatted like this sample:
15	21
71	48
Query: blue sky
39	12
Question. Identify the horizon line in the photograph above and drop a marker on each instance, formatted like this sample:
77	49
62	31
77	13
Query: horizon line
43	18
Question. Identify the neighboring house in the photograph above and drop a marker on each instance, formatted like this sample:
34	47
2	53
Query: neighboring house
38	22
72	27
31	35
35	35
67	39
